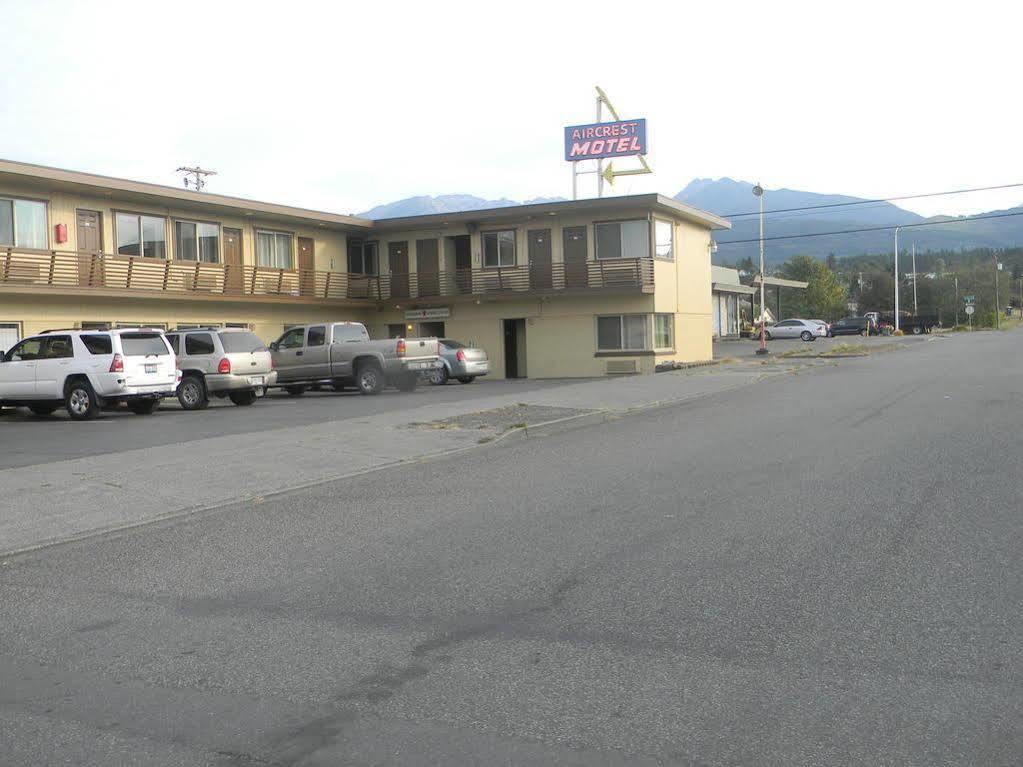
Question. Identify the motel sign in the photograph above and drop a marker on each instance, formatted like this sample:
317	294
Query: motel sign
596	141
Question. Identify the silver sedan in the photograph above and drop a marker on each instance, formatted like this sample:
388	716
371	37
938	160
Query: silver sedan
461	362
808	330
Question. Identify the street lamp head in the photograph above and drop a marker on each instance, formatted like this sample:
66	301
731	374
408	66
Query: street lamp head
758	190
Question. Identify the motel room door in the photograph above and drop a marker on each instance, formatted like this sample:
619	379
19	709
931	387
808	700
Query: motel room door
306	266
540	259
428	267
397	262
234	276
575	256
90	246
463	263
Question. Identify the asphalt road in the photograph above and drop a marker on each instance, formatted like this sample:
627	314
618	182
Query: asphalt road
826	573
26	439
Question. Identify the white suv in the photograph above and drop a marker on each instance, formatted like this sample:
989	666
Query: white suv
87	370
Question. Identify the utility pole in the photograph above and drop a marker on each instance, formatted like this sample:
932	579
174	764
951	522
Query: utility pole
957	300
759	192
998	309
897	277
195	177
915	311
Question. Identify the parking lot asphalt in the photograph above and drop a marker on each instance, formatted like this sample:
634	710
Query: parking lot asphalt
26	439
825	573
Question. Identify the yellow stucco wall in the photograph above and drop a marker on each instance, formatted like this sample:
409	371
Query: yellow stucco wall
35	314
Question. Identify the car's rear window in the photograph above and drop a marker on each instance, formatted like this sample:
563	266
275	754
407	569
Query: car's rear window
143	344
452	344
241	342
98	344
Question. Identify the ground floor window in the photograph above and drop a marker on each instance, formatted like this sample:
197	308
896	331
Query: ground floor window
622	332
664	331
10	334
274	249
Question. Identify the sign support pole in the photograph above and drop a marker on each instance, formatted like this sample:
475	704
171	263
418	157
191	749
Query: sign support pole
600	163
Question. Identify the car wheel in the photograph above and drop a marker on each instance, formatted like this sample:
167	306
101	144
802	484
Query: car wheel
439	376
295	391
466	379
242	398
369	378
192	393
80	401
917	330
767	335
42	410
143	406
864	333
806	335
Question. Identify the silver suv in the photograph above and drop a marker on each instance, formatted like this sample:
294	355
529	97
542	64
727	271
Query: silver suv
220	362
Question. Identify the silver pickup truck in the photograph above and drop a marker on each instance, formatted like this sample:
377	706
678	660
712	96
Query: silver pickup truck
341	354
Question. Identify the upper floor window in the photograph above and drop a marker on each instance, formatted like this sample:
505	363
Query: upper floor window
622	239
362	257
499	248
197	241
664	239
140	235
274	249
23	223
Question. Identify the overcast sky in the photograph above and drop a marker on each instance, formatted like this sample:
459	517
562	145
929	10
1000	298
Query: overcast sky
342	106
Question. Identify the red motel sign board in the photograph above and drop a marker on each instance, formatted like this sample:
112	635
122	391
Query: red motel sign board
596	141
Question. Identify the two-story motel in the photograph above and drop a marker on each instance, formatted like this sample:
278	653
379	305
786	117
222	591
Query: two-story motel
581	288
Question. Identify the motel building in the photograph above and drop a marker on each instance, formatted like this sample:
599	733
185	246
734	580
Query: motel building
594	287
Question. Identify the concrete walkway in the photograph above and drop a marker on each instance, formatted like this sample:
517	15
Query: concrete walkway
65	500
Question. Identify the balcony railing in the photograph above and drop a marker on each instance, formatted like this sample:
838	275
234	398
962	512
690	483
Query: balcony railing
71	269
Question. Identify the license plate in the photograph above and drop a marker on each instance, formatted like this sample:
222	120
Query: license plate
150	368
256	380
420	365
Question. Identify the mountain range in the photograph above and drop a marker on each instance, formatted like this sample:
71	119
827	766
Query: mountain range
735	200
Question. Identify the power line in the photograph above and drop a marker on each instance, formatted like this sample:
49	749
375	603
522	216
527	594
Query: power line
964	219
879	199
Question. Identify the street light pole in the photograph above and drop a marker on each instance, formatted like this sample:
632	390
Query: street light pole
759	192
897	277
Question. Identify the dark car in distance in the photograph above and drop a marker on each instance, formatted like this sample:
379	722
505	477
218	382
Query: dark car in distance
853	326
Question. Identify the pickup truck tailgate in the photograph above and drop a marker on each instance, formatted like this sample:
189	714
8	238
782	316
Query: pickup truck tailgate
421	348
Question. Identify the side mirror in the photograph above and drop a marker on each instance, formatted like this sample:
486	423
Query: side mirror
274	346
2	357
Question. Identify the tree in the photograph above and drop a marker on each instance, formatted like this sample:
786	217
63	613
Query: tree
824	297
831	261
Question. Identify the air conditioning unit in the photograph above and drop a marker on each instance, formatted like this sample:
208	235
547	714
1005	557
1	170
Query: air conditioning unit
621	367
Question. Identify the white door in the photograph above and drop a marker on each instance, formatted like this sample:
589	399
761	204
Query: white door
53	366
18	371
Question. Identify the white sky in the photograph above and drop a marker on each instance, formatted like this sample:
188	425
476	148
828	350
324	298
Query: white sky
342	106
